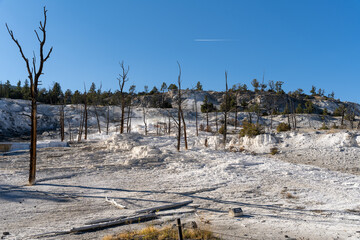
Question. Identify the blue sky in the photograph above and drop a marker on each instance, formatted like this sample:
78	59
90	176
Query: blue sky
301	43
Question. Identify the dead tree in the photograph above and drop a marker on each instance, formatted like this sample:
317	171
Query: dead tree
62	122
169	127
70	135
196	117
34	75
107	120
129	104
81	123
227	104
236	108
95	104
123	78
179	109
85	113
144	119
185	135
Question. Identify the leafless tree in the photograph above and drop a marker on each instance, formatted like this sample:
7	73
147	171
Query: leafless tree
236	108
95	102
144	119
179	109
129	107
62	122
85	113
123	78
196	114
34	75
107	120
81	123
180	113
226	107
70	135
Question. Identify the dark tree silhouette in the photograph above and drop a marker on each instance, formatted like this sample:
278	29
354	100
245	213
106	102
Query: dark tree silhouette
34	75
123	78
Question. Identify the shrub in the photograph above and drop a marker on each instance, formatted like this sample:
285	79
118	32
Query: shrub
152	233
324	127
334	126
208	129
283	127
222	129
274	151
251	129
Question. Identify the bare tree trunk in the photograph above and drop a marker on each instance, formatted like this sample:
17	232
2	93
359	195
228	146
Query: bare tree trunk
86	117
179	109
33	139
122	79
81	125
185	136
144	119
34	75
70	135
236	120
250	116
207	120
288	118
128	120
226	110
97	118
62	123
169	128
196	118
216	121
236	109
107	120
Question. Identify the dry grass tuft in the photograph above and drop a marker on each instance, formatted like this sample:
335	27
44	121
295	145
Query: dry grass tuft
166	233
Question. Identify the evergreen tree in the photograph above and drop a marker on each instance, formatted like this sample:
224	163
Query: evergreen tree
154	91
271	86
278	87
25	91
56	94
76	97
67	96
309	107
199	87
299	109
7	89
172	87
163	87
255	84
17	93
313	90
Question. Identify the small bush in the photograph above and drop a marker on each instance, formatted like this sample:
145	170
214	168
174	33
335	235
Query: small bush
334	126
205	128
222	129
251	129
208	129
152	233
274	151
324	127
283	127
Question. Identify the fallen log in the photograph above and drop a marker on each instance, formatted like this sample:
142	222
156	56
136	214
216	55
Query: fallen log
175	213
105	220
129	220
164	207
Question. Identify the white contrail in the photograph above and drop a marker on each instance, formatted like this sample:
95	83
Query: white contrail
213	40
